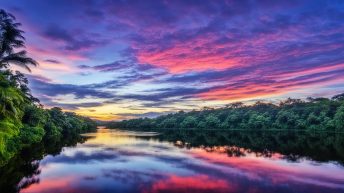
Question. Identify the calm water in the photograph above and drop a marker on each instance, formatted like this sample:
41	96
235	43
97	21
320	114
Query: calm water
122	161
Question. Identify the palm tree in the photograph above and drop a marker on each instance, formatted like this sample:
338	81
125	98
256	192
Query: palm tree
11	38
13	87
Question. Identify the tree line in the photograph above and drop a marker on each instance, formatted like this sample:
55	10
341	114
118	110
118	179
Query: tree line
314	114
23	121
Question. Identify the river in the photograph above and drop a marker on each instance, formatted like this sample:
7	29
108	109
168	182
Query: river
113	161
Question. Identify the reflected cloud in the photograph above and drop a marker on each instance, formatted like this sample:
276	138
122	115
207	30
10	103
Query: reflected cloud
124	161
80	157
198	183
274	169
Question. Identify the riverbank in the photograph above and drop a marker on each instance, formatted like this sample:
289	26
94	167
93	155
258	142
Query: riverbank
41	126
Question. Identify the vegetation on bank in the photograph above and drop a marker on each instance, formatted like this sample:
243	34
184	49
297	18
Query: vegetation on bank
23	121
319	114
23	169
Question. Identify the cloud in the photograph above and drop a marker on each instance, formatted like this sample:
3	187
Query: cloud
74	106
142	115
163	94
159	53
72	40
52	61
54	89
49	91
128	65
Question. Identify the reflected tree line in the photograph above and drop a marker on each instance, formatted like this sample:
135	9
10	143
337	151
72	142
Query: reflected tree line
23	169
317	146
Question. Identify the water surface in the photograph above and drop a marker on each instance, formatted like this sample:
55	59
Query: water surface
123	161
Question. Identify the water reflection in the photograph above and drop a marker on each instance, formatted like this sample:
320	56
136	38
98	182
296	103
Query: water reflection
23	170
121	161
321	146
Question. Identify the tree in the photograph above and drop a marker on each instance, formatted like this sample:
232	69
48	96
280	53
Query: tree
169	123
212	121
339	118
189	122
14	90
11	100
290	101
338	97
286	119
34	116
233	120
235	105
11	38
19	81
259	121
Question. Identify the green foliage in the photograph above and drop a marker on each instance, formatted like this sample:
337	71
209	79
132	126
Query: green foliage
287	119
52	131
315	114
201	125
189	122
169	123
339	119
11	100
29	135
258	121
39	125
211	121
23	121
34	116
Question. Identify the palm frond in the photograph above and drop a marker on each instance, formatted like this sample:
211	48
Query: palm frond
19	59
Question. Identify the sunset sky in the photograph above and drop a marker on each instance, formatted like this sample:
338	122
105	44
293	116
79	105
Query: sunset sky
123	59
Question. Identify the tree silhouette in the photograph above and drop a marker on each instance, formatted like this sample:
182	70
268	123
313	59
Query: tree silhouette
12	39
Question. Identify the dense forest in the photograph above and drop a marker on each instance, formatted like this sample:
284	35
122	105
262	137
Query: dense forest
320	114
23	121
